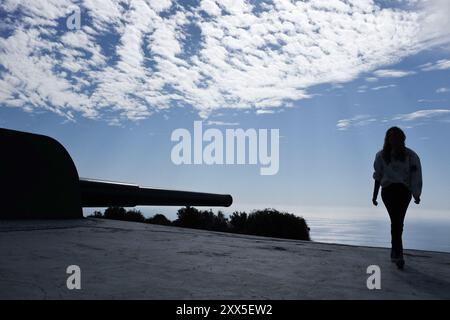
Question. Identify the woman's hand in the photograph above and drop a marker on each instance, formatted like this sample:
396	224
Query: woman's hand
376	188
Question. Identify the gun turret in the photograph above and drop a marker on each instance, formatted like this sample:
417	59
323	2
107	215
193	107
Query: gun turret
39	180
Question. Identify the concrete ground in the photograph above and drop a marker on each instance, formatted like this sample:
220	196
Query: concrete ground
126	260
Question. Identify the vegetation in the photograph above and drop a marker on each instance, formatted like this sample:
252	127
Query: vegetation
267	222
270	223
159	219
119	213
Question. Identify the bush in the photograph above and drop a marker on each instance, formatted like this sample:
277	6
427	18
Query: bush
119	213
272	223
267	222
134	215
159	219
190	217
115	213
220	222
238	221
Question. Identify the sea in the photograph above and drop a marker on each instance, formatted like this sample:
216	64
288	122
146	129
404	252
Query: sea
431	235
424	229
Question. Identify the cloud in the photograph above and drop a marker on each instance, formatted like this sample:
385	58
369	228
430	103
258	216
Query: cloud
443	64
411	119
129	61
264	111
364	88
384	87
357	121
443	90
429	100
221	123
388	73
434	29
422	115
371	79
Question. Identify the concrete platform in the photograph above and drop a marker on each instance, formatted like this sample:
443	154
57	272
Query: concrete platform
126	260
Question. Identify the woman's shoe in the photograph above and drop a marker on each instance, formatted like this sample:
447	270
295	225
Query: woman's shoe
394	256
400	263
397	259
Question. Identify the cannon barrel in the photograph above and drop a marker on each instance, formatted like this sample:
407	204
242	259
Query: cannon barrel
39	180
97	193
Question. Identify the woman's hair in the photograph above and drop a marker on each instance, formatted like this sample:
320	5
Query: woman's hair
387	148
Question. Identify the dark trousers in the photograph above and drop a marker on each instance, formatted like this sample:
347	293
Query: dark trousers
396	198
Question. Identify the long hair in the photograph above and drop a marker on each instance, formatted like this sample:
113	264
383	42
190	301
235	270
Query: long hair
387	148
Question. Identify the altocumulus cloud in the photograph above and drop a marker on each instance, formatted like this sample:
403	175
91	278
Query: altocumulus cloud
131	59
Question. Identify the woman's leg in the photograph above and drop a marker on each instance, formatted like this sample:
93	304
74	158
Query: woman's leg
404	200
396	198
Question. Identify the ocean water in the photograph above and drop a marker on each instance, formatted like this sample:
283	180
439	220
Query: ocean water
421	234
424	229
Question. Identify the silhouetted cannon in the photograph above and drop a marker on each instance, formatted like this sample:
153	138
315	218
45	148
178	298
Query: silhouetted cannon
40	180
96	193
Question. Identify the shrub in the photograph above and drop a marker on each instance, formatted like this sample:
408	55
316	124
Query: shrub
159	219
238	221
272	223
119	213
267	222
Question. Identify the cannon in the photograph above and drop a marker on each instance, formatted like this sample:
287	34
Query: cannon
39	180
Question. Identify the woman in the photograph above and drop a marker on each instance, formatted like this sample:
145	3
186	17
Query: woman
399	173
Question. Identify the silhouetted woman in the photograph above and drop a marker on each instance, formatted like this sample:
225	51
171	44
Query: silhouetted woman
399	173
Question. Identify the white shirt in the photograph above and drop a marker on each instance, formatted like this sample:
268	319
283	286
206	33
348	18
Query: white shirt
408	172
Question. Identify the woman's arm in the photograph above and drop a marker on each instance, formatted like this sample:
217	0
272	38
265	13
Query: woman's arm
377	175
376	188
416	177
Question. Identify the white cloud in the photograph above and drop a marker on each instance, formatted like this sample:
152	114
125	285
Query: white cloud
423	114
429	100
412	119
371	79
362	89
210	7
135	59
384	87
264	111
357	121
443	64
434	15
222	123
388	73
443	90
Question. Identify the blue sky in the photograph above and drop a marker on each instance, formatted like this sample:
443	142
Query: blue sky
331	76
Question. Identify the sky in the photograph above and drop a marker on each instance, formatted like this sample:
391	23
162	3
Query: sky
331	75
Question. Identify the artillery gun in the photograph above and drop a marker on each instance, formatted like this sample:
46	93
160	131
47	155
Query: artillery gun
39	180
